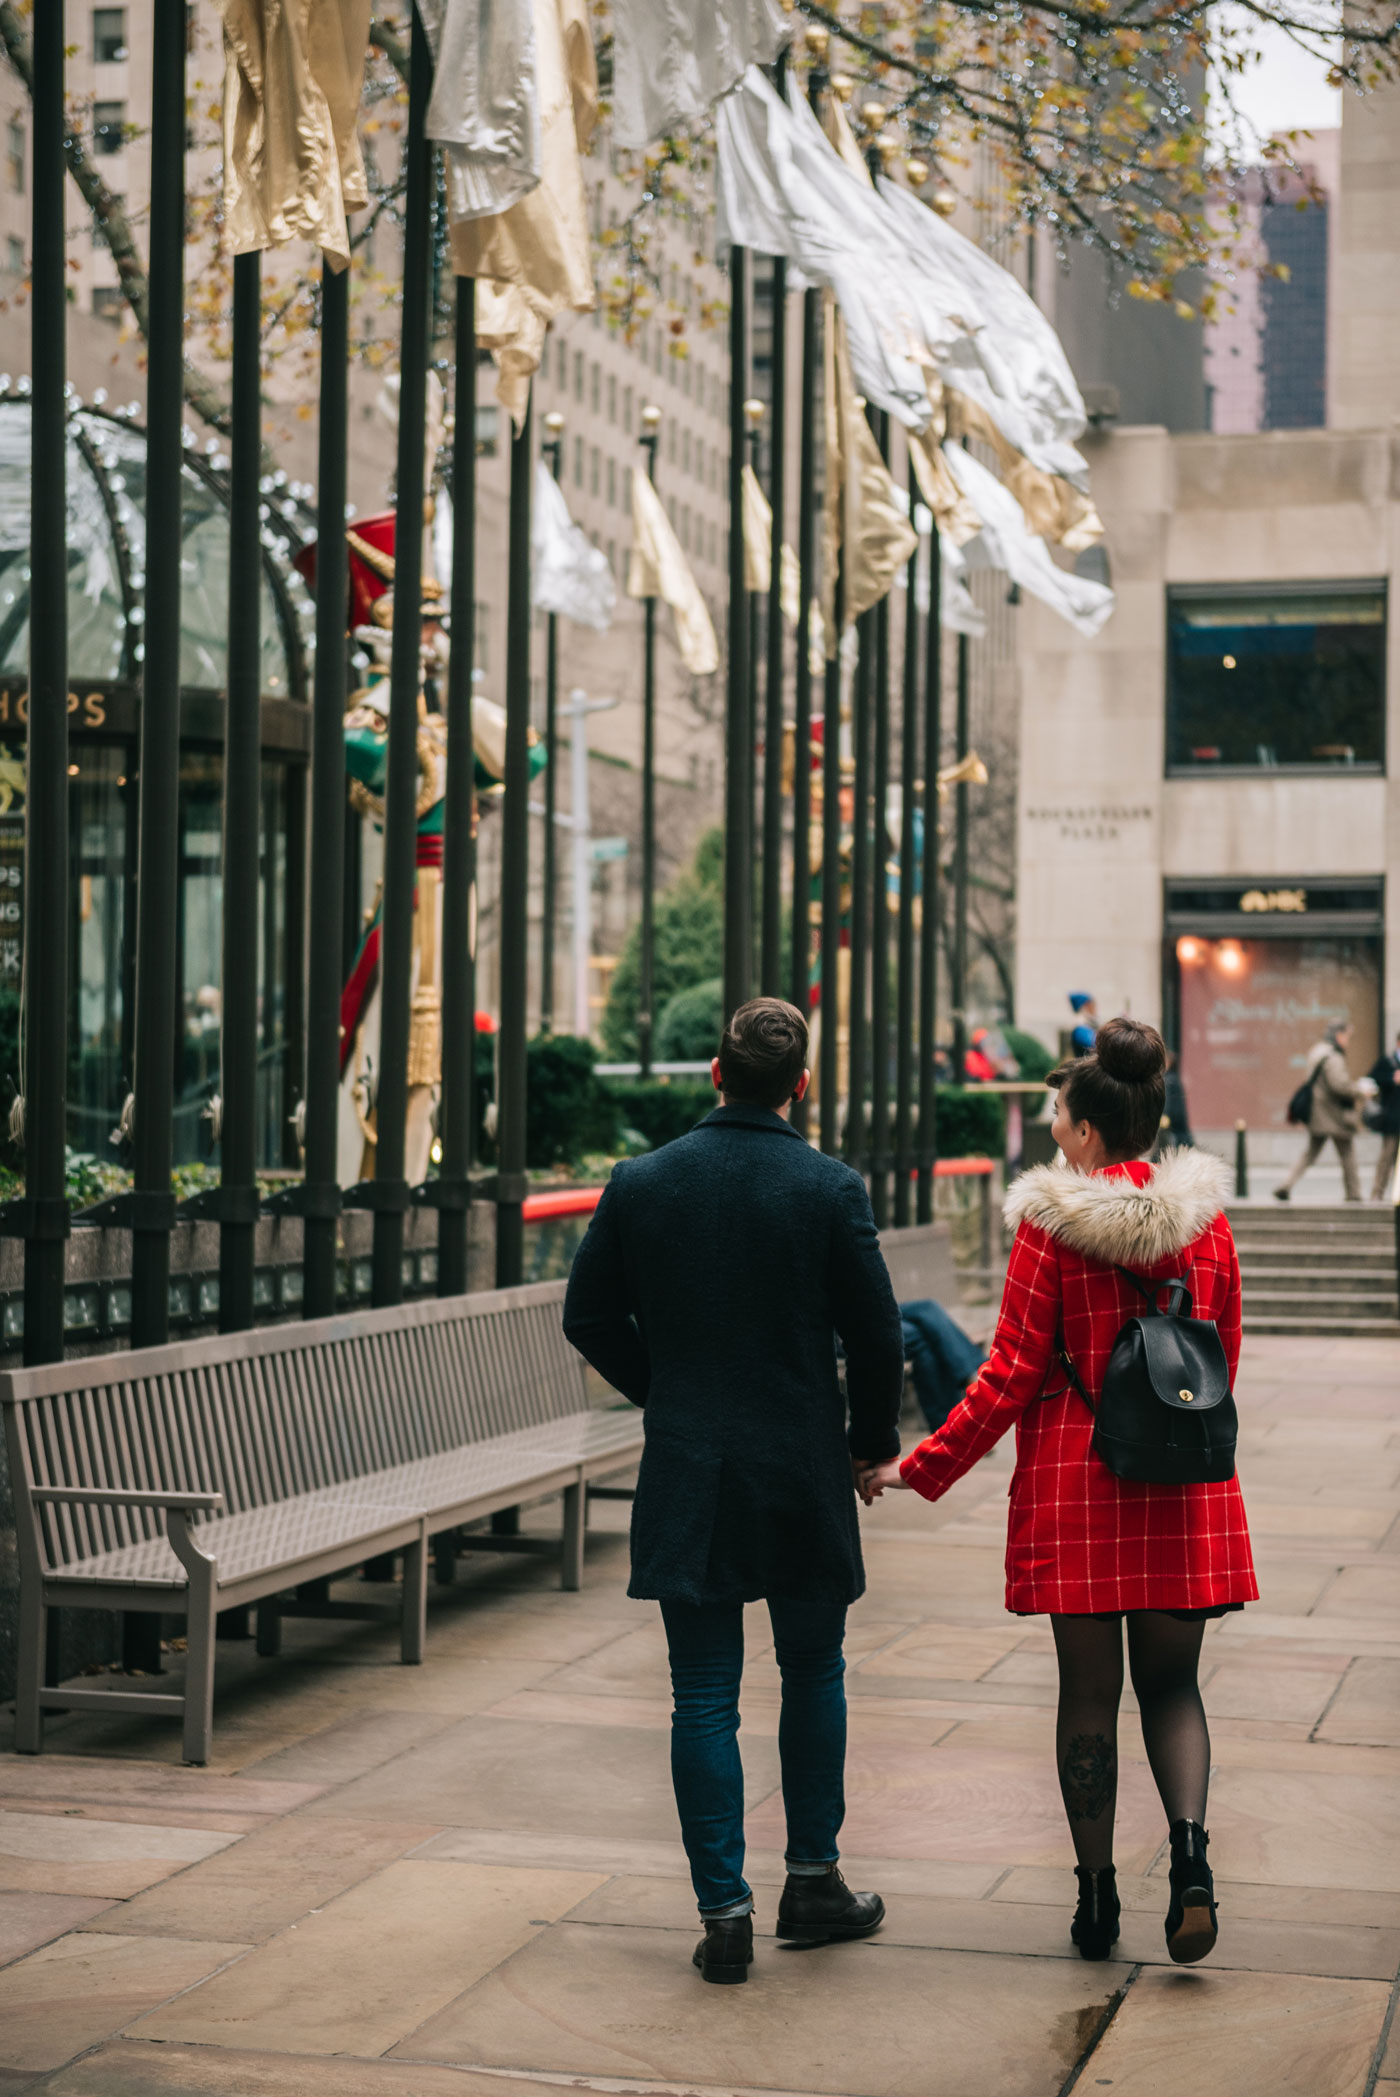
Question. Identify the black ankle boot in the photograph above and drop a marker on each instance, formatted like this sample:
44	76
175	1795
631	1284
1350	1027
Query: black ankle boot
1095	1925
725	1952
1191	1918
824	1910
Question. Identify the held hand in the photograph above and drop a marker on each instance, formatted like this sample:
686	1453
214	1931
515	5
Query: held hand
875	1479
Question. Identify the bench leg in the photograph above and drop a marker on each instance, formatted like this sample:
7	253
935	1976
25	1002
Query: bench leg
445	1558
415	1602
575	1523
200	1636
29	1677
269	1627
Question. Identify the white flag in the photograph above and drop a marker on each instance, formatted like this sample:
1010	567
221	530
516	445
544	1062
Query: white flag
485	105
658	568
673	59
1005	543
571	575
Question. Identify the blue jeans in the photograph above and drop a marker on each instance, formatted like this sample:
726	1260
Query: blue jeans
707	1659
941	1356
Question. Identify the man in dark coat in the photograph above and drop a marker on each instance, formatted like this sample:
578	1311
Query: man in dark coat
710	1289
1385	1116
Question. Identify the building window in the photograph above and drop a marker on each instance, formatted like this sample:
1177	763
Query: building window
612	483
595	389
488	429
685	449
578	375
107	301
593	470
612	397
612	555
1276	678
109	35
108	127
562	363
483	613
16	154
578	462
627	410
14	252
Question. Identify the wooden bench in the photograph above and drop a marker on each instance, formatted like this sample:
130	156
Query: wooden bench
249	1468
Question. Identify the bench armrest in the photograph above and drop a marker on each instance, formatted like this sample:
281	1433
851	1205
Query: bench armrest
119	1496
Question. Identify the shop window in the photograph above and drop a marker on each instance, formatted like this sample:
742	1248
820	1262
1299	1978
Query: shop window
1270	679
14	255
108	127
107	301
488	429
109	35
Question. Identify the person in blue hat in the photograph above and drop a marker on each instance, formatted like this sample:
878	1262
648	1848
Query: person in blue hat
1087	1021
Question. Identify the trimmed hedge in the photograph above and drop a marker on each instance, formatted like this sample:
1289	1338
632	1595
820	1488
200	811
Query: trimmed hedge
661	1109
971	1123
569	1111
1031	1054
691	1023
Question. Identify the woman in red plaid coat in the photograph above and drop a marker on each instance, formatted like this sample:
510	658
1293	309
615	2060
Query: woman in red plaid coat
1090	1548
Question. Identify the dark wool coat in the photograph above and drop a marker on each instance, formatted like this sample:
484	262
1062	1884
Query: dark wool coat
710	1288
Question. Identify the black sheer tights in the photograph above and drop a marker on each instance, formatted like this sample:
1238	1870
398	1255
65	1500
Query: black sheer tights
1163	1654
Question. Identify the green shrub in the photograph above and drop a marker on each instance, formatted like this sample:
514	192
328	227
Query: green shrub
568	1109
1031	1054
971	1123
689	1028
688	947
662	1109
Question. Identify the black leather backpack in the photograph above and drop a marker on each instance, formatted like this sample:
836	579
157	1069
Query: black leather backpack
1166	1414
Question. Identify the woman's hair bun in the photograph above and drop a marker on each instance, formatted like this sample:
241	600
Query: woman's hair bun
1130	1051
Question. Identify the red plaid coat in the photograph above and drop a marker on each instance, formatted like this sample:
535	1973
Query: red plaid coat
1079	1539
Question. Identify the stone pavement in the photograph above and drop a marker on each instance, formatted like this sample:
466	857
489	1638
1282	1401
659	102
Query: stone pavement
463	1880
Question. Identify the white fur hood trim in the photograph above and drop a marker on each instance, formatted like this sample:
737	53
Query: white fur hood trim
1112	1220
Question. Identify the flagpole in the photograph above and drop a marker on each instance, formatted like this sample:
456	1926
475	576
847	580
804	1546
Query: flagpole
515	875
738	782
930	905
959	984
860	894
651	434
772	911
754	412
908	767
552	450
879	901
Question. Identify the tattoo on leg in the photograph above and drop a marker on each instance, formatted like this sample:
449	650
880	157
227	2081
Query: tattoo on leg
1088	1775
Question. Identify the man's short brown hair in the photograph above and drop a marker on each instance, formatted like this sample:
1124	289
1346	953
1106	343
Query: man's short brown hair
763	1053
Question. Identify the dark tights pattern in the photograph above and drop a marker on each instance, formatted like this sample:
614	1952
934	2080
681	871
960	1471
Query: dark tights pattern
1163	1656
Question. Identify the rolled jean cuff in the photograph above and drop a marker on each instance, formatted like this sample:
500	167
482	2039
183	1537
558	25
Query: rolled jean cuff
800	1868
730	1910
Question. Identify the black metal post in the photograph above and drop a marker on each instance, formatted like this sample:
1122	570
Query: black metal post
238	1038
753	421
959	983
830	1106
321	1191
152	1208
738	769
879	903
861	853
45	1063
390	1196
929	898
772	912
908	774
552	450
800	991
515	870
1241	1160
457	1114
651	432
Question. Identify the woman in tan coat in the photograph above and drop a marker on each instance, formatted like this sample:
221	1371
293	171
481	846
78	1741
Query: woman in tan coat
1335	1113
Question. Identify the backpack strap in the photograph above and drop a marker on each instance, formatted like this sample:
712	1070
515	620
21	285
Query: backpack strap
1179	1293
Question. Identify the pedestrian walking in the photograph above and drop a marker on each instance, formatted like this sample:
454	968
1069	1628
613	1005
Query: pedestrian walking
1331	1098
1385	1076
709	1289
1095	1236
1176	1114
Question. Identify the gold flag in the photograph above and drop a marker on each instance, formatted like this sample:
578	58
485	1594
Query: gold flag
293	74
658	568
879	538
1053	507
758	535
533	261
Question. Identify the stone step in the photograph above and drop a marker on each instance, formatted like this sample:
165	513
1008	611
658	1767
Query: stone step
1309	1327
1312	1281
1344	1304
1333	1259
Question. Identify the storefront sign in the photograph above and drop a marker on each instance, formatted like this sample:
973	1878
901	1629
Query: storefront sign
1274	899
1091	823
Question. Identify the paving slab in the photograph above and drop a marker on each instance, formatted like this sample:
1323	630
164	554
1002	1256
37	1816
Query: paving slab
1283	2035
1286	1827
84	1988
83	1780
270	1880
136	2068
28	1920
861	2020
373	1965
1366	1708
56	1853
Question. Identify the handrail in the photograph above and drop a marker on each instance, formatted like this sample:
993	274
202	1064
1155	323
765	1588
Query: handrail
582	1201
